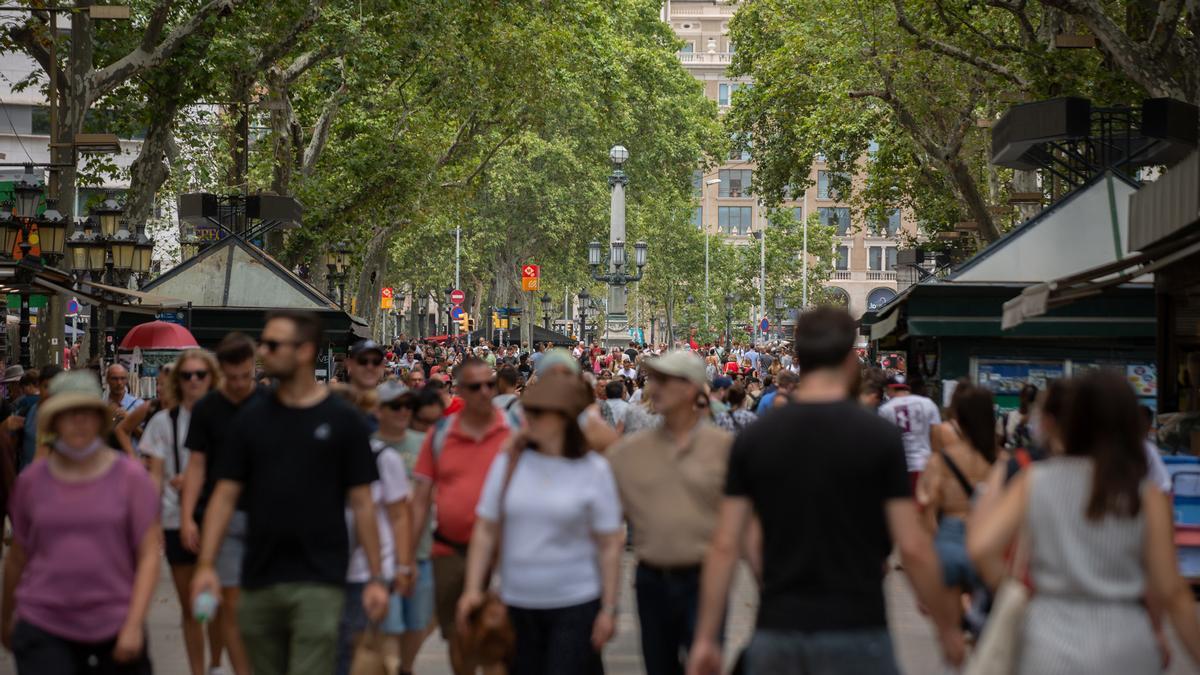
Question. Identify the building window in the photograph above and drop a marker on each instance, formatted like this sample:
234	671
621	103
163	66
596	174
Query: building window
826	188
735	182
732	219
798	214
889	226
837	217
41	120
688	48
697	181
725	92
875	258
843	258
890	258
698	217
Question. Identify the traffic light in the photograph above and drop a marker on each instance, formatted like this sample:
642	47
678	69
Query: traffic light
466	324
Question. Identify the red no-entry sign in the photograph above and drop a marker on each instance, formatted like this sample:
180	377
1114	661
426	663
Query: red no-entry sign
457	297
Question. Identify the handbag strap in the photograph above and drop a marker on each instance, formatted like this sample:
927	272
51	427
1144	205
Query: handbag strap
514	456
958	475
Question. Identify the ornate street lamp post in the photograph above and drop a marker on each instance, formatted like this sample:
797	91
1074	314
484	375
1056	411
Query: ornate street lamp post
546	300
337	262
584	296
729	299
779	307
616	276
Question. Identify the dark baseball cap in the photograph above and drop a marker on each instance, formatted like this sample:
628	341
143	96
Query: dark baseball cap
364	346
722	382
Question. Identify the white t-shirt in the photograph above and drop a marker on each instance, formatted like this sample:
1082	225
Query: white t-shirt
392	487
158	441
914	416
554	505
1156	468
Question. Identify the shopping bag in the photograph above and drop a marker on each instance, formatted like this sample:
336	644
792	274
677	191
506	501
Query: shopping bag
996	652
374	655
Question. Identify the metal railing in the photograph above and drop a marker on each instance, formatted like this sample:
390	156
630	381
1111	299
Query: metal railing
884	275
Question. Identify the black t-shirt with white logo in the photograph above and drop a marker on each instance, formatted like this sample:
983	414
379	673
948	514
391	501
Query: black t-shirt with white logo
818	475
295	466
207	434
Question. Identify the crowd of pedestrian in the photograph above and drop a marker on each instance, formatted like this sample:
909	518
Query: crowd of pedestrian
490	493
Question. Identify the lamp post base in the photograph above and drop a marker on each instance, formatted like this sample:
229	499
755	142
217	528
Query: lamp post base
616	331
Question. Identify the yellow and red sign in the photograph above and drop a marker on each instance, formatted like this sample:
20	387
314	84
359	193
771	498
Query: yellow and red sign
387	299
531	277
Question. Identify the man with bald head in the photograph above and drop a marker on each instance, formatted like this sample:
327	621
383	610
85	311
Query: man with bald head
120	401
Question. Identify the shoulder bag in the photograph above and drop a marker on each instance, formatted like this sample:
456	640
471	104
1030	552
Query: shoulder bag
998	648
490	635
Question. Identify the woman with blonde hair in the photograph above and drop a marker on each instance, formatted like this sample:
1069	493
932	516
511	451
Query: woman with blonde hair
195	373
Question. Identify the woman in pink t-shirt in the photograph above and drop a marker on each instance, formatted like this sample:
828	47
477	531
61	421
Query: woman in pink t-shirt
86	544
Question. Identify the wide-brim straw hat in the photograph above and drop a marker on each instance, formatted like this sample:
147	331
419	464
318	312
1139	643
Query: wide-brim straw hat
72	390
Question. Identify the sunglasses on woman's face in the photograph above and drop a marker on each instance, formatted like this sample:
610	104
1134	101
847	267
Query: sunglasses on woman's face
190	374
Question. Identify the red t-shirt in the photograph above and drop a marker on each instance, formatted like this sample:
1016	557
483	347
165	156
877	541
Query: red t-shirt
731	368
456	404
458	476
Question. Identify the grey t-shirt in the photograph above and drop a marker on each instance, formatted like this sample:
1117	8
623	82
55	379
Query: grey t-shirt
409	448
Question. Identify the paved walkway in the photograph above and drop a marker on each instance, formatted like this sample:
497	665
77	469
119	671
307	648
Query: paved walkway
915	646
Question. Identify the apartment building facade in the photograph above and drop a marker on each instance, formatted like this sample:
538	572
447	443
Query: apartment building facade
865	274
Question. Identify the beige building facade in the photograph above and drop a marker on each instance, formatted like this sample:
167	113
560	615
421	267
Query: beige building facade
866	255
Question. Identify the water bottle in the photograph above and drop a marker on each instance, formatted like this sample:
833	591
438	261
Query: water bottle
204	607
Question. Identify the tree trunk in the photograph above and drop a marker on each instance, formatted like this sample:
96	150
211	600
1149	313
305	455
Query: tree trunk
968	189
149	171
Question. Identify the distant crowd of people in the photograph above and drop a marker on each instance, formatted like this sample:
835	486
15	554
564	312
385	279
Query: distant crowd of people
307	527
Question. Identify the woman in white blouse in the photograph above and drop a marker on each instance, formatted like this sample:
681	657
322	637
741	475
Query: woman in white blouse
195	373
559	522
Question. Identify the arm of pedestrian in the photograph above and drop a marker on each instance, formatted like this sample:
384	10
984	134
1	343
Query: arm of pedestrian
598	434
924	573
732	519
14	566
994	525
156	472
375	595
421	498
125	428
609	547
479	557
131	640
193	482
1165	585
929	492
752	543
216	520
400	518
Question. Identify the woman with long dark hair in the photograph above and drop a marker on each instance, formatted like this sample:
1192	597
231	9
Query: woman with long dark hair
964	450
1100	543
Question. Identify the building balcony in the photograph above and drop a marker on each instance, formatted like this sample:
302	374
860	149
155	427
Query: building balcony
705	58
861	275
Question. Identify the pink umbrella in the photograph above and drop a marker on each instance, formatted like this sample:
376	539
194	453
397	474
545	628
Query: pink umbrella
159	335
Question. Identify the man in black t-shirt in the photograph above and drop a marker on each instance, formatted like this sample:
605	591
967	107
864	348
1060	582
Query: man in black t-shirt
206	443
829	484
299	456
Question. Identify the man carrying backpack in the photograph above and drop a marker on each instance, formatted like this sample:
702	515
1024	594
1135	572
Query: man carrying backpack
455	458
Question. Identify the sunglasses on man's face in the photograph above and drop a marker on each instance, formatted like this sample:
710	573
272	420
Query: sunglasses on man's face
367	361
396	405
274	345
193	374
476	386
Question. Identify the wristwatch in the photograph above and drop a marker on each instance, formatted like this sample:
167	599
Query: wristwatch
378	580
404	570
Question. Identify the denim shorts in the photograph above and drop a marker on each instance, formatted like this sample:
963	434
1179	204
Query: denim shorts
776	652
414	612
233	550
